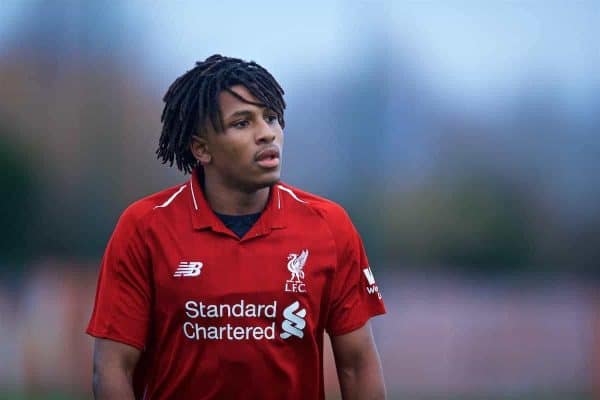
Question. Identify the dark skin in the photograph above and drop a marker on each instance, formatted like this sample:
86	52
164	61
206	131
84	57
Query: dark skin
237	182
358	365
114	364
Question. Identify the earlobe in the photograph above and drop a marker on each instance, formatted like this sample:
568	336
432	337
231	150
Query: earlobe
199	148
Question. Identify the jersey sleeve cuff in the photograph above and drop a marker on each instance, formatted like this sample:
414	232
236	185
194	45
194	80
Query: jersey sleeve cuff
359	323
117	338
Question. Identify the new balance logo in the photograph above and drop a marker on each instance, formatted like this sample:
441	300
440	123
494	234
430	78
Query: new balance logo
188	269
294	321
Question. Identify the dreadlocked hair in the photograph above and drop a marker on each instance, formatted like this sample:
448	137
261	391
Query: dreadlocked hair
192	101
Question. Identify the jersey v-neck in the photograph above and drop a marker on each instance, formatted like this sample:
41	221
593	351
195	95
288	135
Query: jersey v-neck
239	224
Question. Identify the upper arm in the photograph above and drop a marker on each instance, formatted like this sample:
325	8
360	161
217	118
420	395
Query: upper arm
114	364
355	349
114	356
358	365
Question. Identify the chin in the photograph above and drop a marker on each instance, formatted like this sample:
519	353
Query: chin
267	180
271	181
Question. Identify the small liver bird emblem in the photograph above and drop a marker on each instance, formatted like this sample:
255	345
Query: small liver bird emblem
296	263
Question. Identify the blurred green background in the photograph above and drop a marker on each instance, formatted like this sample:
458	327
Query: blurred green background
462	138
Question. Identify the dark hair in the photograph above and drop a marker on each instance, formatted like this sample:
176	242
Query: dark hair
192	101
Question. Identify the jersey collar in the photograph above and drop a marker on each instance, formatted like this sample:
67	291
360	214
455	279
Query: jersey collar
204	218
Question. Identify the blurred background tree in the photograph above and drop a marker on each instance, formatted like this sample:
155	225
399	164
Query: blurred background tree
19	183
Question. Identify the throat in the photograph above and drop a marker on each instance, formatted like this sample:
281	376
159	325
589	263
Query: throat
223	200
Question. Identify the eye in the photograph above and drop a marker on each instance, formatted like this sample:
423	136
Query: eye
271	118
240	124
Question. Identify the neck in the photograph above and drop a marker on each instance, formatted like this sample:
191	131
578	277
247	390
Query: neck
223	199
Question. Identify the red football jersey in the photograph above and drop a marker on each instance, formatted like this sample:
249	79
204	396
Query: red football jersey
216	316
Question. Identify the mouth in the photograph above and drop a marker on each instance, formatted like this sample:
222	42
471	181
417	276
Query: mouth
268	158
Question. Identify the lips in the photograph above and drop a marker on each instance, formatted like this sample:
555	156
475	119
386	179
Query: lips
268	157
270	152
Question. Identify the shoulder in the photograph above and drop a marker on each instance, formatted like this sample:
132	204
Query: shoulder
331	212
141	211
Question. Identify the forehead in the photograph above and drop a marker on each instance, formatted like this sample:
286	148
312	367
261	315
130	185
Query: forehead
230	104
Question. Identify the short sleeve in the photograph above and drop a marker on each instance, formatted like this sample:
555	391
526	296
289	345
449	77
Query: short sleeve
355	296
123	295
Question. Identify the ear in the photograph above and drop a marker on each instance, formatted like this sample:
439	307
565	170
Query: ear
199	148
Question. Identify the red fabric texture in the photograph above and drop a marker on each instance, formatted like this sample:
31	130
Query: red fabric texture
216	316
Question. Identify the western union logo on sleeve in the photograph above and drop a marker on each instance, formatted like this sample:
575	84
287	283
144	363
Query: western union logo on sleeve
372	288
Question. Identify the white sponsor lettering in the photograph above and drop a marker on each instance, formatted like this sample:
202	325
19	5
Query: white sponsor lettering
201	328
218	321
196	331
195	309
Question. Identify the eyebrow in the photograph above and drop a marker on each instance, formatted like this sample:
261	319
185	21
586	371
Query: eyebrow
245	113
240	113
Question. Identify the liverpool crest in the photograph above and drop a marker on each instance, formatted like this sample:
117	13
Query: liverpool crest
295	265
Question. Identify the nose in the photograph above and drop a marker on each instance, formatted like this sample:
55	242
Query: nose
265	133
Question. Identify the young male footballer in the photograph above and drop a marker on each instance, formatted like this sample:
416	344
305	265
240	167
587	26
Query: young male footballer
223	286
